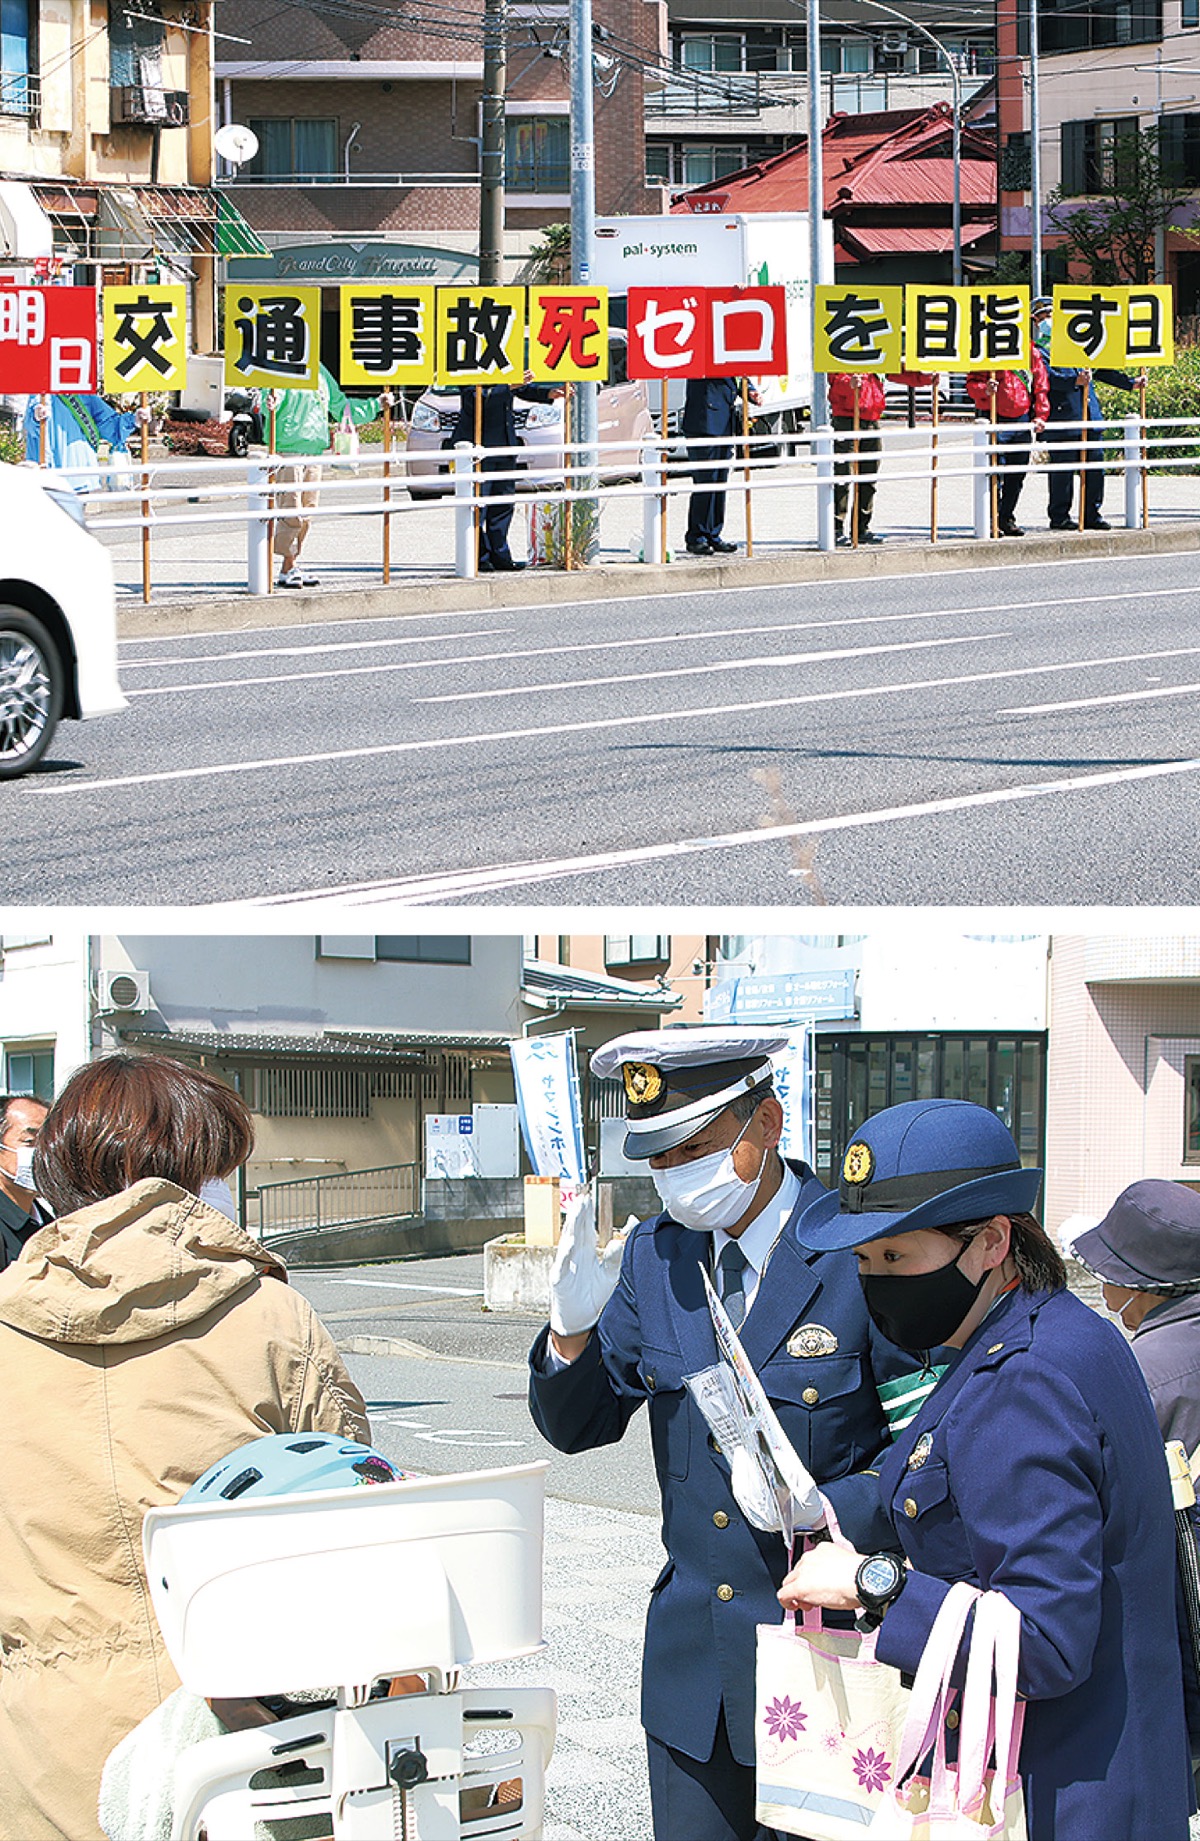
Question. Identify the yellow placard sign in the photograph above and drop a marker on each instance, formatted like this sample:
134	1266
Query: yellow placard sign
387	333
1102	328
857	328
480	336
272	336
568	334
145	338
966	329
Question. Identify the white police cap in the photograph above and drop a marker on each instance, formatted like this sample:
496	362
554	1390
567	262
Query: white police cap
677	1080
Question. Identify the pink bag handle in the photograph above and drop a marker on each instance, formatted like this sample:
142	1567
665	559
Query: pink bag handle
991	1714
924	1728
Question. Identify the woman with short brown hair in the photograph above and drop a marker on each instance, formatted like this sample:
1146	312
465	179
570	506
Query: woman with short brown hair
141	1338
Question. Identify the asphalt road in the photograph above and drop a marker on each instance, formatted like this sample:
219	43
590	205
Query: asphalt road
988	736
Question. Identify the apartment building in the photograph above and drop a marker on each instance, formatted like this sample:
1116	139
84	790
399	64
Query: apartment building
1105	67
106	145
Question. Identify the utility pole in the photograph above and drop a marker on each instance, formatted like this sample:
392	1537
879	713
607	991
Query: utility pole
491	150
816	203
583	195
1035	153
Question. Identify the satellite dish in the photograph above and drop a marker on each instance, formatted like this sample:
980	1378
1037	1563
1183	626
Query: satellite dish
235	143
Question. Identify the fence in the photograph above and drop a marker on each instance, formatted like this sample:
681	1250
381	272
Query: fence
790	479
351	1198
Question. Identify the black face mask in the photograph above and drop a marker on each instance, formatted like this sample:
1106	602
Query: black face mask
918	1311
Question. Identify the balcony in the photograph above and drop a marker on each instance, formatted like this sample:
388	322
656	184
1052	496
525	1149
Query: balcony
776	101
21	95
343	181
154	108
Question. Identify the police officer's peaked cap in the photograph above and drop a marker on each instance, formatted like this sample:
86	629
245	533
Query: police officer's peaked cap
677	1080
1148	1241
1042	301
929	1163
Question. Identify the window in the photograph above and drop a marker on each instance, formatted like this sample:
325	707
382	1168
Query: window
1191	1116
712	51
1189	13
135	45
537	153
293	148
1092	154
860	1075
621	949
30	1071
17	19
658	162
424	948
1179	148
1016	164
1084	25
700	164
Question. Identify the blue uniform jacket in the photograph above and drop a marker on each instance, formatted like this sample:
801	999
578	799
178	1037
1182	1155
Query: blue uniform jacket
1066	396
656	1328
1040	1473
710	409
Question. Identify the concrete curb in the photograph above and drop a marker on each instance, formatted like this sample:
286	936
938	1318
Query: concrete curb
538	588
416	1351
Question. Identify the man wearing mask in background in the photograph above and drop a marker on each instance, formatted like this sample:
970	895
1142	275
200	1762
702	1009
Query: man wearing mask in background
701	1111
21	1214
1071	444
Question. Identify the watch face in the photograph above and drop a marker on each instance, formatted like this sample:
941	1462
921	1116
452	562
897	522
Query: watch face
879	1575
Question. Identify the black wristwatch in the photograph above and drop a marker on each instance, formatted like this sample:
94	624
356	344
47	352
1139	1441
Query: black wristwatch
879	1581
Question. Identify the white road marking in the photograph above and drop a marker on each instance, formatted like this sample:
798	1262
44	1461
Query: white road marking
1092	703
341	645
391	1284
418	891
771	662
462	1435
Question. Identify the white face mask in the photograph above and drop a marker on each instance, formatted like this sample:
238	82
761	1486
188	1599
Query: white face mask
217	1193
24	1173
708	1192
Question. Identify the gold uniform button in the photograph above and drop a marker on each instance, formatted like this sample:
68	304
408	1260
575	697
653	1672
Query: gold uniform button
910	1508
810	1396
952	1721
651	1383
720	1519
724	1593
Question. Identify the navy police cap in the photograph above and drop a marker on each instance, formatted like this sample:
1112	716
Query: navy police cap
1148	1241
928	1163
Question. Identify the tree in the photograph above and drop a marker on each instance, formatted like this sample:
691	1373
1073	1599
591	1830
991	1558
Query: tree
1133	193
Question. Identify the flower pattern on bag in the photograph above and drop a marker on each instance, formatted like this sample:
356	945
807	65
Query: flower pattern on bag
872	1769
784	1718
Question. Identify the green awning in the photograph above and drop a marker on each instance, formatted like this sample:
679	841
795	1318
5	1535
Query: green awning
235	237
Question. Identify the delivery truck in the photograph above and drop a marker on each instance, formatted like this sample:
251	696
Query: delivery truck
730	250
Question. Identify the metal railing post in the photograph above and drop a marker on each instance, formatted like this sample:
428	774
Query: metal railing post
258	547
465	553
652	513
822	445
981	445
1132	426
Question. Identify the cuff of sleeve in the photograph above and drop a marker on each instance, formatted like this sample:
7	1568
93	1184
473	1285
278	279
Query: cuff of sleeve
861	1515
907	1621
545	1361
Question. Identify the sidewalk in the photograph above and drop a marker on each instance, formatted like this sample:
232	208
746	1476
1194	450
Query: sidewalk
209	560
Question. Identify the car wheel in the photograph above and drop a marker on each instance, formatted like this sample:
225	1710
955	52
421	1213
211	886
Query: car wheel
31	691
239	440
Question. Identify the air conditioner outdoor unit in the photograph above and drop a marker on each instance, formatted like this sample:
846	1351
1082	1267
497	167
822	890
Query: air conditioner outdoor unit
894	41
128	991
166	108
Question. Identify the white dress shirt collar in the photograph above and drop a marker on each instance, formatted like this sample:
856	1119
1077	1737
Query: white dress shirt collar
757	1240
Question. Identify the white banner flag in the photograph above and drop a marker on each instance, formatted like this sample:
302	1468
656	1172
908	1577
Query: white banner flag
547	1081
793	1089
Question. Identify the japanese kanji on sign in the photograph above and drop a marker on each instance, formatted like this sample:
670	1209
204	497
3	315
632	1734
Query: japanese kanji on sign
568	334
387	334
858	329
145	338
966	329
480	335
1103	328
47	339
272	337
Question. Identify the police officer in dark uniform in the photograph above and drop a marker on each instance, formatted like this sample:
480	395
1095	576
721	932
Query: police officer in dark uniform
1034	1468
710	417
21	1214
498	428
700	1109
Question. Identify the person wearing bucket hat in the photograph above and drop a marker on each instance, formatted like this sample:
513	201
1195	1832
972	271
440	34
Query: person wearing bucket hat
701	1113
1034	1468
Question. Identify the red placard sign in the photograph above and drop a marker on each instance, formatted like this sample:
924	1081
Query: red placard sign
47	339
747	332
667	330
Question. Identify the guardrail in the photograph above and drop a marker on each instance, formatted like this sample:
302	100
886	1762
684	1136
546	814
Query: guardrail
173	495
349	1198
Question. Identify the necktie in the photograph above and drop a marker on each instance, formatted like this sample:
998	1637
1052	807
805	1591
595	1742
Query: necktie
732	1267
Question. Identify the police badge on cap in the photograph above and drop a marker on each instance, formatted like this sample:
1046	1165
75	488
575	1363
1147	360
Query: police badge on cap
677	1080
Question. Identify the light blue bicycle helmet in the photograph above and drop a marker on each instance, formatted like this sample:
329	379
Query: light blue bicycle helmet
292	1464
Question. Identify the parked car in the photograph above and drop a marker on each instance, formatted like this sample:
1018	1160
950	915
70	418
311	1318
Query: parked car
624	416
58	622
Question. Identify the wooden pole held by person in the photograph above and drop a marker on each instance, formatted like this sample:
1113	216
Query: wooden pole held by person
1083	448
857	386
477	464
746	463
993	456
43	431
145	424
666	432
1145	453
387	490
271	493
934	410
568	481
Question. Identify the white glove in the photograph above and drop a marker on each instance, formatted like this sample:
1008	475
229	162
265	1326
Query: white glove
583	1278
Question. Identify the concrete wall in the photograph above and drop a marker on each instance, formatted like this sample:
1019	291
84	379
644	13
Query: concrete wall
43	997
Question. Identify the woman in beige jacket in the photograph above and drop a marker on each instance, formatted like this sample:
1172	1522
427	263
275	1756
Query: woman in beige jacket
142	1336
